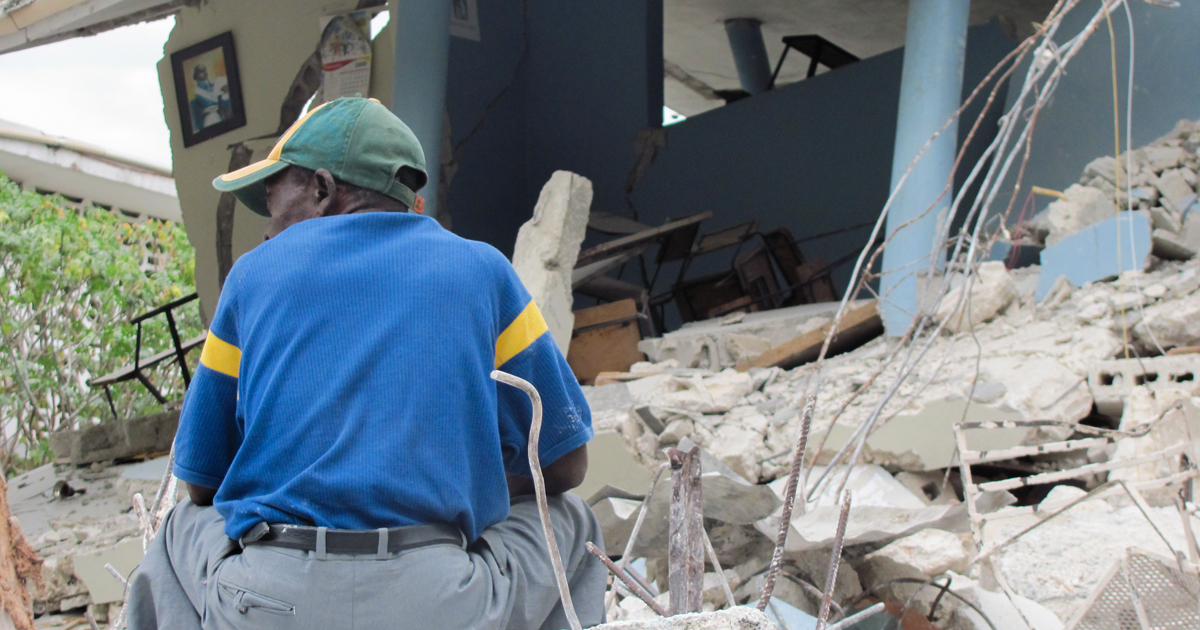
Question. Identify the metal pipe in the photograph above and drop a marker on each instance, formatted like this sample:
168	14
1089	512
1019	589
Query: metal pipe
749	54
539	486
930	94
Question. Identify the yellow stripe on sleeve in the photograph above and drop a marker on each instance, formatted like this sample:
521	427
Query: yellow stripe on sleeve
522	332
220	356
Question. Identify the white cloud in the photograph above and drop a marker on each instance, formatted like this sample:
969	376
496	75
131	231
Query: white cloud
102	90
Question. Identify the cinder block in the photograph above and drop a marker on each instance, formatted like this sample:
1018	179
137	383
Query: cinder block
1111	381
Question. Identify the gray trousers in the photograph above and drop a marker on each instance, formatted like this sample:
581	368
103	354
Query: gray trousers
194	576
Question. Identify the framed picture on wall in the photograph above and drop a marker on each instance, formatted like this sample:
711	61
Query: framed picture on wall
208	89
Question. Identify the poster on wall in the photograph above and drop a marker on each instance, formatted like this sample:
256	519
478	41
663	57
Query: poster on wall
464	20
208	89
345	55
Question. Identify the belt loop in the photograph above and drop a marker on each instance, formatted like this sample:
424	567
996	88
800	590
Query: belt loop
321	543
382	553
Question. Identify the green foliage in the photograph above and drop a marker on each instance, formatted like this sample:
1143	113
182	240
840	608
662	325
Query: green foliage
72	279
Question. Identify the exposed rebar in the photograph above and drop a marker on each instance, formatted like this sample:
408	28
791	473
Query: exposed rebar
789	500
835	561
629	582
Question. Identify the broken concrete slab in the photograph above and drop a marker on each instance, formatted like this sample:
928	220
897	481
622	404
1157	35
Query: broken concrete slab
978	298
924	439
547	247
1088	255
716	344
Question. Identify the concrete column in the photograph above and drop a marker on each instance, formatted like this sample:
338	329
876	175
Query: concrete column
930	92
419	86
749	54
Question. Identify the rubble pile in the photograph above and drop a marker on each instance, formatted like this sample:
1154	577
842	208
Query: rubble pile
1161	181
78	520
1060	358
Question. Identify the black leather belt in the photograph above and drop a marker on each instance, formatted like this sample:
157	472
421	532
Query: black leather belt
382	541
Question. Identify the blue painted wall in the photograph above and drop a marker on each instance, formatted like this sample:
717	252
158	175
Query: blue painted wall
1076	127
585	78
813	156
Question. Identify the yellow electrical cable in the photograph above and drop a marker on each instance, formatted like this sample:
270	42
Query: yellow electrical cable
1112	38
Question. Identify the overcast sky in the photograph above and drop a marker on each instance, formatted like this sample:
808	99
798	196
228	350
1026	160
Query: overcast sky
102	90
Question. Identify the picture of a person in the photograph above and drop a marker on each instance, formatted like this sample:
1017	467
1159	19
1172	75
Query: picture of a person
211	103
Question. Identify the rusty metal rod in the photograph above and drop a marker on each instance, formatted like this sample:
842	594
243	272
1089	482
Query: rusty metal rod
539	486
835	560
632	585
789	500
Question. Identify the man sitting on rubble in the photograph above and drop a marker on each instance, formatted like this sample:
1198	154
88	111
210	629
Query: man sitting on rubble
344	425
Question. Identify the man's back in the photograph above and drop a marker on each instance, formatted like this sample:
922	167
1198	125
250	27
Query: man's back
363	397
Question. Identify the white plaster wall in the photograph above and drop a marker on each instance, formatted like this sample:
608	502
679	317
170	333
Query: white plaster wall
272	39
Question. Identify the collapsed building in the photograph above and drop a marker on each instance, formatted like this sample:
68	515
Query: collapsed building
1010	412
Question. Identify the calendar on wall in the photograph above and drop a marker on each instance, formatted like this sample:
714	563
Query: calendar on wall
345	55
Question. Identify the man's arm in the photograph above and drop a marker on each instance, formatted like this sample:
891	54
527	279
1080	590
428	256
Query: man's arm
200	495
566	473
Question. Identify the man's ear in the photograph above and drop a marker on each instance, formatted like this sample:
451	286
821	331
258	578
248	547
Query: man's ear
326	190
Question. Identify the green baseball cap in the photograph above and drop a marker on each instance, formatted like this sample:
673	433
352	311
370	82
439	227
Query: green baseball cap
358	140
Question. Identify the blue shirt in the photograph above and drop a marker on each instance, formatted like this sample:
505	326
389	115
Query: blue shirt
345	381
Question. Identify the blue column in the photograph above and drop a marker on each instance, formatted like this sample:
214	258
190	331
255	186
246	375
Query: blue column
749	54
419	85
930	92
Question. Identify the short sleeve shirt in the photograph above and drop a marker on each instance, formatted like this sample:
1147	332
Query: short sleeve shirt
345	382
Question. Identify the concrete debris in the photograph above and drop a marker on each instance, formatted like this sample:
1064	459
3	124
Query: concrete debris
1161	180
1061	562
978	299
127	439
1060	358
925	554
1180	423
720	343
1170	324
740	618
883	510
547	246
78	535
1082	206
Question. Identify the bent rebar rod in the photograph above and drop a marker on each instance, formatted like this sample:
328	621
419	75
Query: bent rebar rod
539	486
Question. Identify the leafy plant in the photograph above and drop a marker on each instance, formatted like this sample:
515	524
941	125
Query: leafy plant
72	278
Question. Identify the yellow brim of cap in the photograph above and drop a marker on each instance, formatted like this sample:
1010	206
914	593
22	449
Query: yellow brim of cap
247	185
